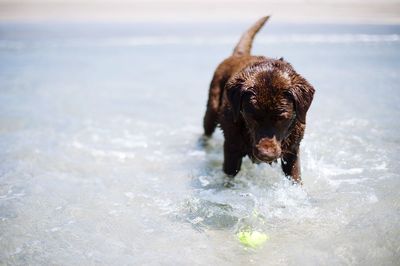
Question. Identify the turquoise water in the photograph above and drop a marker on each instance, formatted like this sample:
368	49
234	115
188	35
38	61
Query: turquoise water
100	161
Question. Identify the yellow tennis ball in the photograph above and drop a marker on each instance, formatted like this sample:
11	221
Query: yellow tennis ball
252	238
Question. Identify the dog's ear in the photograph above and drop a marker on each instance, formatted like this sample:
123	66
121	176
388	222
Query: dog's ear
234	91
302	94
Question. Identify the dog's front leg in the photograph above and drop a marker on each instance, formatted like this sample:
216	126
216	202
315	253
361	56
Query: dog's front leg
291	166
232	157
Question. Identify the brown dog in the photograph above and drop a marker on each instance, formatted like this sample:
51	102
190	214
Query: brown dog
261	105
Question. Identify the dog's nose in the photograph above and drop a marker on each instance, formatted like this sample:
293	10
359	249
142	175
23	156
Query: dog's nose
268	150
269	154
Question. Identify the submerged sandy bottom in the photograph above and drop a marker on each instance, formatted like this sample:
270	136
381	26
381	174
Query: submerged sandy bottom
100	159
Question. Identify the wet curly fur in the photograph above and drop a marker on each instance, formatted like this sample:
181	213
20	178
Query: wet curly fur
261	105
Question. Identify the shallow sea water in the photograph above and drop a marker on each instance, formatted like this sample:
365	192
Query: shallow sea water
101	161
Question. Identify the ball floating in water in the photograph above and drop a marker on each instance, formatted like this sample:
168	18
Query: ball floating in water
252	238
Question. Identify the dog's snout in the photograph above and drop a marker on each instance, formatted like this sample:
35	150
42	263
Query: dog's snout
267	149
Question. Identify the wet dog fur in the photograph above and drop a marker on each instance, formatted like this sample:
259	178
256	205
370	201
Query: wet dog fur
261	105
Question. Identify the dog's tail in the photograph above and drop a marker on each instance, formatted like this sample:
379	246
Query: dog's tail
244	45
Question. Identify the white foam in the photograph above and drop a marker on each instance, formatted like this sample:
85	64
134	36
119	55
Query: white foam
350	181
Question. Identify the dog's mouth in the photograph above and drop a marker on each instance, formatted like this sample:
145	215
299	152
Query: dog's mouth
263	159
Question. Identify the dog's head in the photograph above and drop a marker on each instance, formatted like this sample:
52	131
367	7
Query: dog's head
270	98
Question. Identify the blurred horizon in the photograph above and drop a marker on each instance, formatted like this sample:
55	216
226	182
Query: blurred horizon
326	11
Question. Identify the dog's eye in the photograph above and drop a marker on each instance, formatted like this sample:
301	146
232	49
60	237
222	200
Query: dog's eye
249	109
